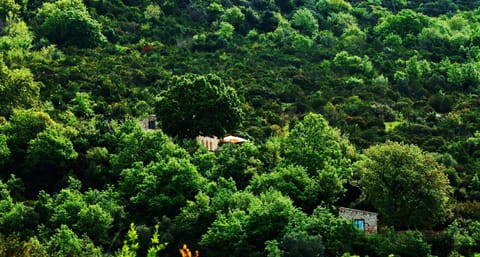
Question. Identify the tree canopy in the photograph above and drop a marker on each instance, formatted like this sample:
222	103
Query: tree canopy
405	184
196	104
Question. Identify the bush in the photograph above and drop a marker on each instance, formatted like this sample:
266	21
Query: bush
404	244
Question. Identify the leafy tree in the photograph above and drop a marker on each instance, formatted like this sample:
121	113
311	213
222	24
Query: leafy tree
197	104
65	243
410	243
67	22
404	22
233	16
320	234
242	231
130	245
16	35
290	181
23	126
196	216
8	6
82	105
135	145
466	236
91	213
225	31
15	216
17	89
405	185
324	154
304	21
160	188
49	157
4	151
326	6
239	162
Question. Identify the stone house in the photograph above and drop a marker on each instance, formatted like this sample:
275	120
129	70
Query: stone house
363	220
149	122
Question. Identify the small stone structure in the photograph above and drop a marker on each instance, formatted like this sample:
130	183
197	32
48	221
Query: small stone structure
211	143
149	123
364	220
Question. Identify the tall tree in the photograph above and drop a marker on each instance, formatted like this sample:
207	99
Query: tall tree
68	22
198	104
324	153
407	186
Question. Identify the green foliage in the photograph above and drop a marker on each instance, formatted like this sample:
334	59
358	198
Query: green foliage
67	22
242	231
66	243
156	245
87	213
292	181
391	243
304	21
233	16
159	188
197	104
16	35
51	149
14	216
17	88
135	145
130	245
8	6
374	70
239	162
466	236
404	184
152	12
225	31
323	152
4	151
22	127
403	23
82	105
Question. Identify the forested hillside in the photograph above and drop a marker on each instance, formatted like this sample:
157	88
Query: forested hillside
372	105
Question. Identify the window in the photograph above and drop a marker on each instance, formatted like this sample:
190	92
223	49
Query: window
359	223
151	124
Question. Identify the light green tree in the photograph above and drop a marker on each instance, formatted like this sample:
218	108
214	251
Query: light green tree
304	21
408	187
160	188
233	16
65	243
17	89
16	34
225	31
292	181
67	22
323	152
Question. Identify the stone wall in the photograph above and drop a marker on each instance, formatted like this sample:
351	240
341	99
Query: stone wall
211	143
370	218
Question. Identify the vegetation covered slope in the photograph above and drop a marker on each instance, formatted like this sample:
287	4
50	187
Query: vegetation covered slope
367	104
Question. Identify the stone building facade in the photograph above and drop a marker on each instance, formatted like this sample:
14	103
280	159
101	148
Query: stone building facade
149	122
211	143
363	220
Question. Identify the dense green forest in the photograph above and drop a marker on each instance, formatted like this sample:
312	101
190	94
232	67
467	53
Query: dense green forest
372	105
